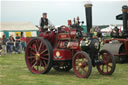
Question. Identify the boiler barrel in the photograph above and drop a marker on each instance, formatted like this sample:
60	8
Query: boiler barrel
88	10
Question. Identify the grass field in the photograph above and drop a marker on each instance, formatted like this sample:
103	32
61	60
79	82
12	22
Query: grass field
13	71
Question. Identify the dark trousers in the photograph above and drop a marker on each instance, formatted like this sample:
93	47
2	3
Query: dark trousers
10	47
18	47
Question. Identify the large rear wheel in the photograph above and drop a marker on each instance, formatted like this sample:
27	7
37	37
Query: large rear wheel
82	65
109	63
38	56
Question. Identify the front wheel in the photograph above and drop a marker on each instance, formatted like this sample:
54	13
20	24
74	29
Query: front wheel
38	56
82	65
109	63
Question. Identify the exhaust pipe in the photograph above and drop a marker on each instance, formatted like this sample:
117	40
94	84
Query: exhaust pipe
88	12
125	19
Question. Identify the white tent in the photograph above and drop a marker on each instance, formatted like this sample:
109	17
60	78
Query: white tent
11	28
106	31
109	29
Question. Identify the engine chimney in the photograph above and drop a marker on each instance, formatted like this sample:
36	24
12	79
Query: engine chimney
88	10
125	19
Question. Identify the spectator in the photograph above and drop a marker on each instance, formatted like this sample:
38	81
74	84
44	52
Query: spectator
115	32
99	34
10	44
4	40
0	46
0	50
18	44
23	42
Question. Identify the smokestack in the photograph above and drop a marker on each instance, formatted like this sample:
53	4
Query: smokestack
88	10
125	18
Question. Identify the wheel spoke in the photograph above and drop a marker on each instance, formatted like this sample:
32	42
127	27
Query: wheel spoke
31	57
109	65
45	54
86	63
110	60
84	70
35	48
44	51
33	61
78	68
33	54
106	57
34	64
32	49
44	63
40	46
81	55
41	63
78	60
43	46
44	58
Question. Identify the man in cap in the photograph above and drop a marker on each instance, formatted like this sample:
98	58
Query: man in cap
44	22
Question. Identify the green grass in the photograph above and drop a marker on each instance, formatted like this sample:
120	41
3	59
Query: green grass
13	71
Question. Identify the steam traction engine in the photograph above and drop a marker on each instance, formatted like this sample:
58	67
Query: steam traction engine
68	47
118	45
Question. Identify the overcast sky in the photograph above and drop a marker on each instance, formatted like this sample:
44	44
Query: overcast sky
59	12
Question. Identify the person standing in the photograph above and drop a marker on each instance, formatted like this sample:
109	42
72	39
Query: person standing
4	40
0	46
98	30
115	32
10	44
18	43
23	42
44	22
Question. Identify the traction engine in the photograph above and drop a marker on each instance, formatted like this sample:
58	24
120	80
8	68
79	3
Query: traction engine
69	47
118	45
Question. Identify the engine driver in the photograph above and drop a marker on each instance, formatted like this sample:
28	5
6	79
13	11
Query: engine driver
44	22
115	32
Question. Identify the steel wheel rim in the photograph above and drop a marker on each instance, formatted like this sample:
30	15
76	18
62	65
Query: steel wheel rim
81	66
37	56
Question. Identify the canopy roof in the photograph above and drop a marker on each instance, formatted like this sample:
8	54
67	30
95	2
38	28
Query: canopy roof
17	26
120	17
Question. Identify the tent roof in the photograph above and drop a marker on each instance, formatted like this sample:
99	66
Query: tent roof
119	17
17	26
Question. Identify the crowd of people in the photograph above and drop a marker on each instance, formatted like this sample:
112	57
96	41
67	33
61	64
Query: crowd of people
18	44
12	45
